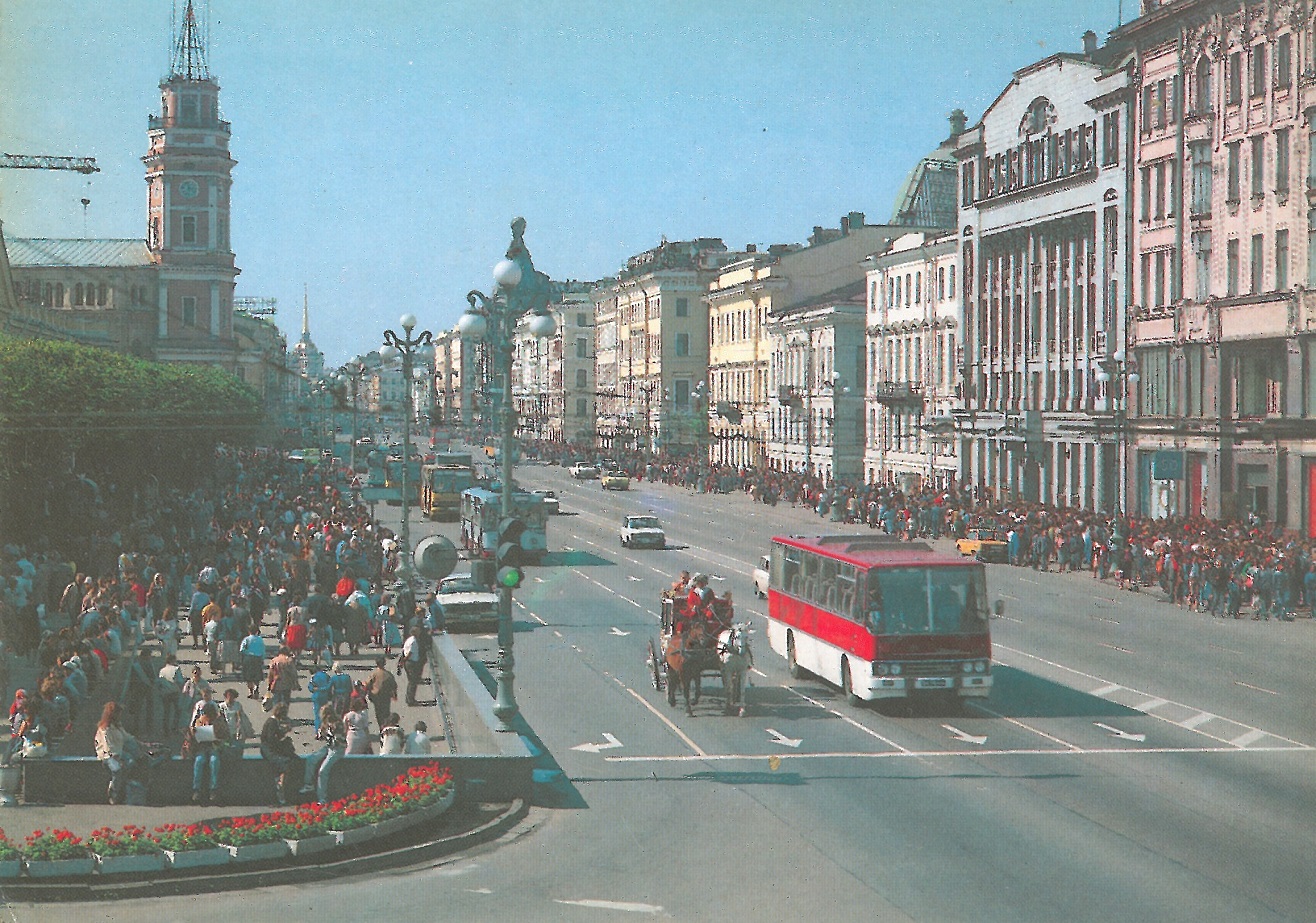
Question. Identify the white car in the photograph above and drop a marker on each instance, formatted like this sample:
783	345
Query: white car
551	505
642	532
467	607
761	577
584	471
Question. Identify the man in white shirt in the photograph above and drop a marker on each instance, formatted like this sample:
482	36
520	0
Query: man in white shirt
418	741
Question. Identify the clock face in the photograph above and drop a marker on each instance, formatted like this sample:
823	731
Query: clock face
188	189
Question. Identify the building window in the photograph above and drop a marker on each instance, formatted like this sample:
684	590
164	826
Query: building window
189	311
1145	211
1202	86
1158	105
683	344
1311	248
1258	166
1160	279
1231	267
1202	259
582	319
77	295
950	282
1235	171
683	307
1160	190
1201	160
1234	76
1281	260
189	229
582	378
1282	161
100	294
1284	61
1259	73
941	283
1258	266
582	407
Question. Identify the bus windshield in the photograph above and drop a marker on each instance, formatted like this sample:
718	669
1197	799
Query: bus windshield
932	600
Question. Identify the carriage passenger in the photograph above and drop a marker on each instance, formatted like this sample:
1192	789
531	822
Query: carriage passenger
681	585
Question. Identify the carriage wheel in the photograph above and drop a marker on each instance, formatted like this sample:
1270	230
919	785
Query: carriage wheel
657	675
672	681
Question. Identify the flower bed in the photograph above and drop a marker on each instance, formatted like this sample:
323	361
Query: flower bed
52	845
127	851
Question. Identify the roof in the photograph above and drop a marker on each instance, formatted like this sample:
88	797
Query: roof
56	253
927	196
868	549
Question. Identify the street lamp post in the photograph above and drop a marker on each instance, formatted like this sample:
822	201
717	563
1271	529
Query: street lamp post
1123	371
520	290
408	348
647	388
353	372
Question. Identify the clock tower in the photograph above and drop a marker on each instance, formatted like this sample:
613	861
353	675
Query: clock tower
188	178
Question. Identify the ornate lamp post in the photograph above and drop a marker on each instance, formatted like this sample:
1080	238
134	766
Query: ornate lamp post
408	349
1123	371
353	373
520	290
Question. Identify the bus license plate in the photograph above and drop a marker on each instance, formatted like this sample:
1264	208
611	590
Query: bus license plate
931	682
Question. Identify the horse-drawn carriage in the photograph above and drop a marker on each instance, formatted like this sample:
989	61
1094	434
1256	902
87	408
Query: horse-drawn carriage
704	642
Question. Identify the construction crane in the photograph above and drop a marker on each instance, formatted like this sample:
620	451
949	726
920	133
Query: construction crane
25	162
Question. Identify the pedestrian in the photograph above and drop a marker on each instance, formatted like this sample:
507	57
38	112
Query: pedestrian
169	684
414	656
117	749
239	725
206	737
391	742
418	741
356	721
319	763
382	689
252	651
282	679
277	748
197	692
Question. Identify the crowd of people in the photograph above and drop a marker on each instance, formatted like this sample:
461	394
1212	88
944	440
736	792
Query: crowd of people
1225	567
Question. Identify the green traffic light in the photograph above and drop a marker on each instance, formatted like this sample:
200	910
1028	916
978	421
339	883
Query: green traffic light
509	577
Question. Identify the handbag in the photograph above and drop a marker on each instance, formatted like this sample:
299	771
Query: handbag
204	733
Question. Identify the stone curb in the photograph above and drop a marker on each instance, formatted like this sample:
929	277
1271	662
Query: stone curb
342	863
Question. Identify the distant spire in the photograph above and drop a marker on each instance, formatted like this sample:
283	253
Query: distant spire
190	48
306	315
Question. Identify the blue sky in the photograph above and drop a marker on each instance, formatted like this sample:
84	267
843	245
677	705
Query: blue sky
383	148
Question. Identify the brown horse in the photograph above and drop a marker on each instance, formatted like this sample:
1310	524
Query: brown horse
689	652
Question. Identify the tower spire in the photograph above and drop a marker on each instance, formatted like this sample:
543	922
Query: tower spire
306	316
190	48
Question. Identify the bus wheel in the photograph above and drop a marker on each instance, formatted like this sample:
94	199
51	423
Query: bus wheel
847	686
791	663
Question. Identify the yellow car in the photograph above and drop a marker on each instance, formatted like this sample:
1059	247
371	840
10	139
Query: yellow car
615	480
985	545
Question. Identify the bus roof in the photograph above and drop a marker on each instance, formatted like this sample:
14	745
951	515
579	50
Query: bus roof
869	549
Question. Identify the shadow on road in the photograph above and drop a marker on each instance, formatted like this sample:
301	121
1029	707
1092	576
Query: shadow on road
574	559
1020	694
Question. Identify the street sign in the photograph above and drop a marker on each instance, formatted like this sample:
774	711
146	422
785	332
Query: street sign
1167	466
378	494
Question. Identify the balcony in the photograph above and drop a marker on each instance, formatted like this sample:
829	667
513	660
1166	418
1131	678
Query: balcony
898	392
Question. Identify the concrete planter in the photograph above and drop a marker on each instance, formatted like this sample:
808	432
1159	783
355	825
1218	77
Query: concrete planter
198	858
10	868
311	845
130	865
259	852
355	836
395	825
59	868
432	811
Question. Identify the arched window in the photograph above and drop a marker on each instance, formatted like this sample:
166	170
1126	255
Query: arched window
1202	86
101	294
77	295
59	294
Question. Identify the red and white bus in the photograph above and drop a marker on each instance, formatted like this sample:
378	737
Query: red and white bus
881	619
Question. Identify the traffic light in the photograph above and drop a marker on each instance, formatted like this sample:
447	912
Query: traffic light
510	553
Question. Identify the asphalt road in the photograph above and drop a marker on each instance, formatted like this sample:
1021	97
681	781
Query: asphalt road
1135	761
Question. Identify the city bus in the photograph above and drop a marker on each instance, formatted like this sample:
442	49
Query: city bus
880	619
442	482
482	510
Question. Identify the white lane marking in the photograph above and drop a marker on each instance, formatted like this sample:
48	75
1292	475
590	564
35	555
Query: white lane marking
618	632
891	754
779	738
1152	705
964	735
685	739
479	891
1239	682
1033	582
1027	727
626	906
1250	737
1101	618
1107	690
609	743
1097	679
1122	735
1122	650
847	719
1197	720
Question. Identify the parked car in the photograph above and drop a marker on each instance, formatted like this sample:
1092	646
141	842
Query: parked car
584	471
551	505
615	480
642	532
760	577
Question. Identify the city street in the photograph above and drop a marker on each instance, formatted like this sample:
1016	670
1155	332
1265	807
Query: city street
1135	761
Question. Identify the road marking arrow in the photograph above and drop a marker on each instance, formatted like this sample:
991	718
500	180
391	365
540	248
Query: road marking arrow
634	578
780	738
611	744
618	632
961	735
1116	732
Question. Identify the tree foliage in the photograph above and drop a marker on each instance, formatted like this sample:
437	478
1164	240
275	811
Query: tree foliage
70	412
